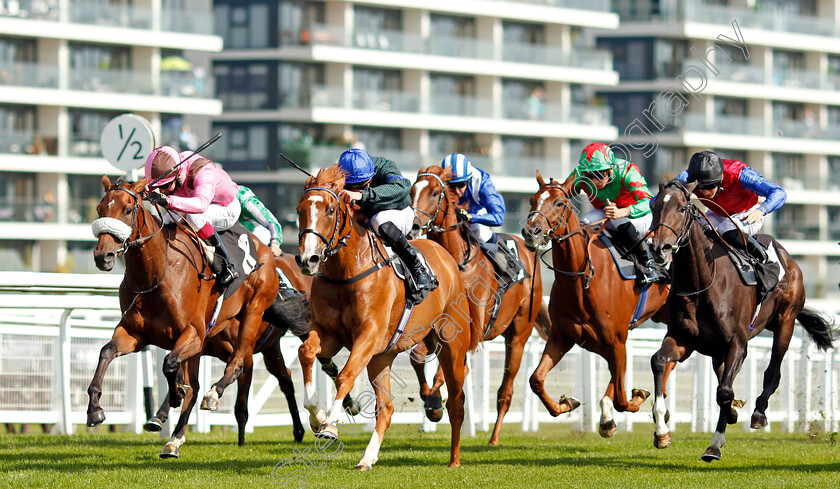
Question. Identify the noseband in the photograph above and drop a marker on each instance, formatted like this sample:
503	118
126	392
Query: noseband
691	215
334	243
549	233
430	226
118	229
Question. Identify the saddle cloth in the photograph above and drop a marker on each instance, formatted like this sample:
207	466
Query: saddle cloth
626	262
764	276
242	248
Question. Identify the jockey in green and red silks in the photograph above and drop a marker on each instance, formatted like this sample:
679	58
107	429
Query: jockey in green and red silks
619	193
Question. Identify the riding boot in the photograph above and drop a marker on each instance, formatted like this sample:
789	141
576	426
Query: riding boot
423	282
630	237
223	268
754	248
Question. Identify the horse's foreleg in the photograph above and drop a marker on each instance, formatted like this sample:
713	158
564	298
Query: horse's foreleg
359	358
172	449
557	346
188	345
616	395
379	373
433	404
121	343
669	352
782	333
322	345
276	365
453	363
718	438
516	335
731	366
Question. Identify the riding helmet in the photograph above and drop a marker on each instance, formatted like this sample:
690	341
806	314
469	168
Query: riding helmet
358	165
160	161
596	157
459	165
706	168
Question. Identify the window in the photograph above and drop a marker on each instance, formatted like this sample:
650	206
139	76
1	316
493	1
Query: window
833	182
452	94
632	58
303	144
522	157
296	81
296	19
790	223
369	19
833	223
452	36
17	197
730	106
377	139
245	86
515	32
99	57
17	129
14	49
85	194
243	26
523	99
87	126
444	143
245	147
374	89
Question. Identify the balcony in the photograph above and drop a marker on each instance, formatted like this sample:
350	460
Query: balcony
110	15
27	142
769	18
386	100
461	105
590	115
113	81
543	55
461	47
25	74
787	229
596	5
754	126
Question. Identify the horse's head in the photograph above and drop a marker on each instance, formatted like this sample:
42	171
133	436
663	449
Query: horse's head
321	216
430	199
118	211
551	210
673	211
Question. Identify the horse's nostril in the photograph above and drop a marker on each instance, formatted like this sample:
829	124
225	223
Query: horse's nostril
313	260
415	227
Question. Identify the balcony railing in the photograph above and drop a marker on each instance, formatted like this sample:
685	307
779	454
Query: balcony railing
26	209
533	53
27	142
25	74
189	22
725	124
461	47
185	84
111	15
461	105
787	229
386	100
121	81
597	5
768	17
30	9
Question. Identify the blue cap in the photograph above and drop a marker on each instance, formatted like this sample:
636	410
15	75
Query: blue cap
358	165
459	165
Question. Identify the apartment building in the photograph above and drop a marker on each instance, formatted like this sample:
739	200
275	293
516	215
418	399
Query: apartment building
67	68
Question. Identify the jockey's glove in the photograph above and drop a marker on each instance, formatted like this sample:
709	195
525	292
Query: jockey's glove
158	198
463	215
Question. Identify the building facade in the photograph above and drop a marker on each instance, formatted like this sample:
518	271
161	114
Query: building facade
67	68
757	81
507	82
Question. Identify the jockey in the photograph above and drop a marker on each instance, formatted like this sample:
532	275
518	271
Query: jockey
259	220
202	191
619	193
485	206
381	192
733	188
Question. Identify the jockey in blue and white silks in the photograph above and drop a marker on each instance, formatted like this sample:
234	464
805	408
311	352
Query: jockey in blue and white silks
475	189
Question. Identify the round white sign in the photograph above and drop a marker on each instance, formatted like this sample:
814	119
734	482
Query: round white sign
127	141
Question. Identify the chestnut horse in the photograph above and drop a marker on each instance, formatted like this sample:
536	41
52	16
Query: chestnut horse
711	311
289	313
591	305
521	305
167	300
357	302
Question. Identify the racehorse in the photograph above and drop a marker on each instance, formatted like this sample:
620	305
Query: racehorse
357	303
521	305
168	301
591	305
712	312
290	313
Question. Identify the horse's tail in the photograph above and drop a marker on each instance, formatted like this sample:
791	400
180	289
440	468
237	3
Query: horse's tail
290	314
543	321
818	327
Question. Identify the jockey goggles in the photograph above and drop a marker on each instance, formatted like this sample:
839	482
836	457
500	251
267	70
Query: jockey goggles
457	184
598	174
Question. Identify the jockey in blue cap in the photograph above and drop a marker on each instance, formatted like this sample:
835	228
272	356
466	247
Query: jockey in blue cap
381	192
485	207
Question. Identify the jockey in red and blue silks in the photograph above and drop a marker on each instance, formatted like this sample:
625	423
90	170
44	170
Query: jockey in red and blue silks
734	189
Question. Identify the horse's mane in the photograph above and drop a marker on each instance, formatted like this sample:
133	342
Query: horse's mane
331	178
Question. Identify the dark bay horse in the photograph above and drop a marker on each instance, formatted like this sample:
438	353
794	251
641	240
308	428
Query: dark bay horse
521	305
712	312
288	314
357	302
168	301
591	305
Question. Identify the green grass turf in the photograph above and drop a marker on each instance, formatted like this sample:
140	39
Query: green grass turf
553	457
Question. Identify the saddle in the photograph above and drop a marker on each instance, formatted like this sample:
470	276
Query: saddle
763	276
625	261
242	249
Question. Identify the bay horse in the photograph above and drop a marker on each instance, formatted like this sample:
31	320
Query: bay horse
521	305
168	301
289	314
590	305
712	312
357	303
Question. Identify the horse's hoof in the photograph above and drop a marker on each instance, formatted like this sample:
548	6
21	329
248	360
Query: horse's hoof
569	402
210	403
95	418
363	467
640	393
734	410
327	432
759	420
170	451
711	454
298	434
351	406
315	420
153	424
608	429
662	441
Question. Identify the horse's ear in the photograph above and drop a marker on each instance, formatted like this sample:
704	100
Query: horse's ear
662	183
690	187
106	182
540	179
310	182
139	187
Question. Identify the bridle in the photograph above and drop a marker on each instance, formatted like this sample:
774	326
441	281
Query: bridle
335	243
430	226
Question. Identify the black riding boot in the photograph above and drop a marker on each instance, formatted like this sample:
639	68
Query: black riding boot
754	248
630	236
222	265
423	283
